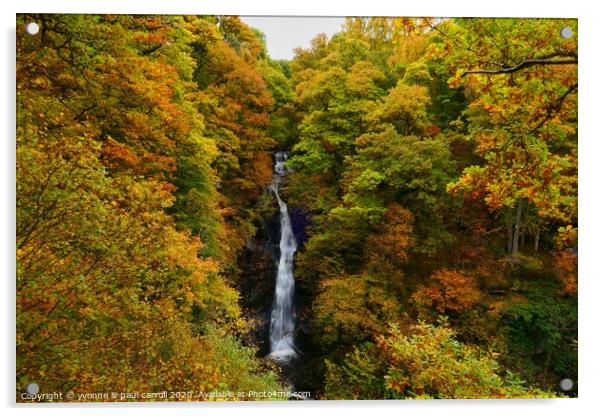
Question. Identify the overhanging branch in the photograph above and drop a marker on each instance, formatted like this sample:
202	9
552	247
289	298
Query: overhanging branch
544	60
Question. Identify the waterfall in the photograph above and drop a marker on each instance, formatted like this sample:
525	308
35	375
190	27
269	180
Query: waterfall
282	322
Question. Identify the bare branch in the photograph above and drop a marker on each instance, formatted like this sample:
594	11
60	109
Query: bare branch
543	60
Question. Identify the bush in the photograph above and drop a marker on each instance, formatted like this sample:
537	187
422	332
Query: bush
427	364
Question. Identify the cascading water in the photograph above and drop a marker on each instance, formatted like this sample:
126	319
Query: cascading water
282	322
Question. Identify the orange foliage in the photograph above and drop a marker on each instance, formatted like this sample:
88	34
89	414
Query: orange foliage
566	265
113	286
452	291
389	248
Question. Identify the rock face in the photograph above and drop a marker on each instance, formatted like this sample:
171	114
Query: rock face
258	267
299	222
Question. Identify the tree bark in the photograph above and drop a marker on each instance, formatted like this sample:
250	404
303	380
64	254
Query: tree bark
536	242
517	225
522	239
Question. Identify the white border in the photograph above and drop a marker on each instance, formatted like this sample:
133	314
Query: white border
590	289
507	8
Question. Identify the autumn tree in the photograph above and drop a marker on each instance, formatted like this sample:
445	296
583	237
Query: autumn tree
119	284
522	83
452	291
428	363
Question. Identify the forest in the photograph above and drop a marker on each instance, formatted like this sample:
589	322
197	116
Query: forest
427	173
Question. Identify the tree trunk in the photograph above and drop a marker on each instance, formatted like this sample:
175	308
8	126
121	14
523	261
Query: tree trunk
517	225
536	243
522	239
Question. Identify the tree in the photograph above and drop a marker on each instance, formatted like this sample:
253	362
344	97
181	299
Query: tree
430	363
452	291
408	170
426	364
119	284
523	127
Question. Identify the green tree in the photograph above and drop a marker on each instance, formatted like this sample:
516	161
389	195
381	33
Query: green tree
427	364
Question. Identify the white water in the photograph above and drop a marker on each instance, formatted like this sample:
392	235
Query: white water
282	322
